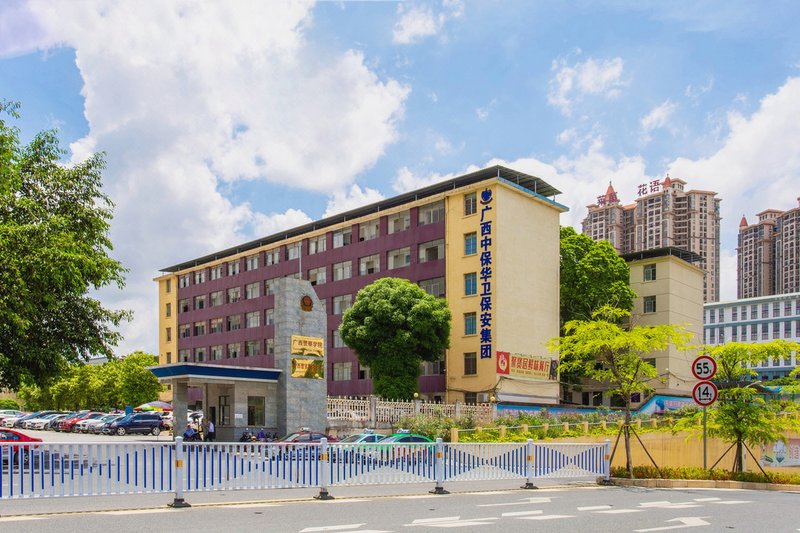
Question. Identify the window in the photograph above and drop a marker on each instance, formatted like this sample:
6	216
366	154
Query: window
369	265
200	302
753	332
431	213
183	281
185	305
470	203
649	272
343	270
471	398
272	257
787	308
216	325
431	251
233	268
434	287
251	290
168	309
199	354
251	262
293	251
199	328
234	294
253	319
649	304
234	322
470	243
470	284
368	230
215	354
744	313
776	330
270	346
398	258
317	275
712	316
342	371
399	222
255	410
224	403
185	331
183	355
251	348
787	329
342	237
721	315
216	298
316	245
216	272
735	314
168	334
342	303
734	334
168	285
169	358
233	350
269	317
336	339
199	277
776	309
470	324
269	287
764	331
470	363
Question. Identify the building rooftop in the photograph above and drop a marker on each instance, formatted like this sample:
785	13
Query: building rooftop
680	253
532	184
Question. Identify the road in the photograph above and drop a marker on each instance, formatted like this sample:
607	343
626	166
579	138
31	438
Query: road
578	509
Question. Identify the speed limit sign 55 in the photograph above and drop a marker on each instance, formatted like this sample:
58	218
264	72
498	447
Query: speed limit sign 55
704	393
704	367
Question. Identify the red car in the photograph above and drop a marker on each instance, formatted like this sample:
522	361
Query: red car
9	435
68	424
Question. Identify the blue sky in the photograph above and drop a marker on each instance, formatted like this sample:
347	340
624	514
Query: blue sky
222	124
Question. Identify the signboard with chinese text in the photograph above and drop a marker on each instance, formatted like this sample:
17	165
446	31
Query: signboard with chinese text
486	273
308	368
527	366
308	346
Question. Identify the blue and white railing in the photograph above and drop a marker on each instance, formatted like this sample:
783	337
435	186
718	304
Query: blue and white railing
55	470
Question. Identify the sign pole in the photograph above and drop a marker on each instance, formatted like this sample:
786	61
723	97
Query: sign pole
705	449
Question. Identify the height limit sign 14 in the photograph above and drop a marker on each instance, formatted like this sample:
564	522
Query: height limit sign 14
704	368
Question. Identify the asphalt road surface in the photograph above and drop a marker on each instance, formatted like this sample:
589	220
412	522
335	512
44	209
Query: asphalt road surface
573	509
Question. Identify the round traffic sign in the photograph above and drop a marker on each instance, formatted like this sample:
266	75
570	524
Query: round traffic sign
704	367
704	393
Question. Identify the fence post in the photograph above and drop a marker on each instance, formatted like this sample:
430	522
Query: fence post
529	466
607	463
438	468
373	411
325	470
178	502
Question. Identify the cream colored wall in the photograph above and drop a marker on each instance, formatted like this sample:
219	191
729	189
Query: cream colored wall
165	322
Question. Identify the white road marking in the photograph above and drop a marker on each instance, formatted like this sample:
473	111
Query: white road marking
526	501
20	518
421	521
732	502
332	528
451	521
522	513
546	517
670	505
706	499
620	511
685	521
594	508
135	511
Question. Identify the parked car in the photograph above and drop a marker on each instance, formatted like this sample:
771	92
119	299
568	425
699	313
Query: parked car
368	437
9	413
95	426
149	422
400	445
68	424
53	424
12	452
40	422
355	445
20	421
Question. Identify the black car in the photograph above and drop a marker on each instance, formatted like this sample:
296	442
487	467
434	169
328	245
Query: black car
137	423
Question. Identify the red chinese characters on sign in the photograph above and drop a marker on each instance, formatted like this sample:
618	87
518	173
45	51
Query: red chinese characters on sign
649	188
525	365
607	199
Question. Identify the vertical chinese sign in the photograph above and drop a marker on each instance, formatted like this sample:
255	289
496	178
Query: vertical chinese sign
485	243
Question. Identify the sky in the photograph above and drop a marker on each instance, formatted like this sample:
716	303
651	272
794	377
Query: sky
223	122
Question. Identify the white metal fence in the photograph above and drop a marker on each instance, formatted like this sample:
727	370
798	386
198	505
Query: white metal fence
57	470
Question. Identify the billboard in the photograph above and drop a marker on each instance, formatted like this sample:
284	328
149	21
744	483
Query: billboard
528	366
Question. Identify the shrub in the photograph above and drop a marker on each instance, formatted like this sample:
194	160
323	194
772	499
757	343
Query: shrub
685	472
8	403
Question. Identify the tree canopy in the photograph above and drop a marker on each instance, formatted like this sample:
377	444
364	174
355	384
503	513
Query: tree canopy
592	275
393	326
741	415
54	222
602	350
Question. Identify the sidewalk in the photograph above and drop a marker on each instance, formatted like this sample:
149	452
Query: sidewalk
126	502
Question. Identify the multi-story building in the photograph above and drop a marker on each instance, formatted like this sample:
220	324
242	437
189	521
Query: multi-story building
769	254
761	319
663	215
487	241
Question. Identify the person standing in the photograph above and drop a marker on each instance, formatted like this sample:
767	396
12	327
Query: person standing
211	435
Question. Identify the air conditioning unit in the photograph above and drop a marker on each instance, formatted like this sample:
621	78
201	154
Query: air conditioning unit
483	397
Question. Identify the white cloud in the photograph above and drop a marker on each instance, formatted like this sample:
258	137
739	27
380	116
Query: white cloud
418	21
657	118
572	82
406	180
694	93
484	112
443	146
351	199
187	99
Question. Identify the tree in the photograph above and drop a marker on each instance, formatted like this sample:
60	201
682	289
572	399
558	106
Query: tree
741	415
393	326
593	275
137	384
602	350
54	222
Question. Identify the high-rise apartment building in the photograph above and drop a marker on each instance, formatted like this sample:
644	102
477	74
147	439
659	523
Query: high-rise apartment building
769	254
664	215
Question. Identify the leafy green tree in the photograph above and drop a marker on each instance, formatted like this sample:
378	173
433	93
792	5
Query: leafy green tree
601	350
741	415
393	326
593	275
8	403
137	384
54	222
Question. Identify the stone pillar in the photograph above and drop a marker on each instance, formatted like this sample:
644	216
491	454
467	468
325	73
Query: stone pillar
301	401
180	407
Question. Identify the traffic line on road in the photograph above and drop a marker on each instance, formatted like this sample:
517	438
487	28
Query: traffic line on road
732	502
342	527
620	511
546	517
21	518
685	521
594	508
522	513
707	499
133	511
526	501
451	521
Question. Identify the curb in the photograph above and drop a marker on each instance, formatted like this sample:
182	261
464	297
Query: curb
701	484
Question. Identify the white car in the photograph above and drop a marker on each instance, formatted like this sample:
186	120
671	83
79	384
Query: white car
40	423
9	422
